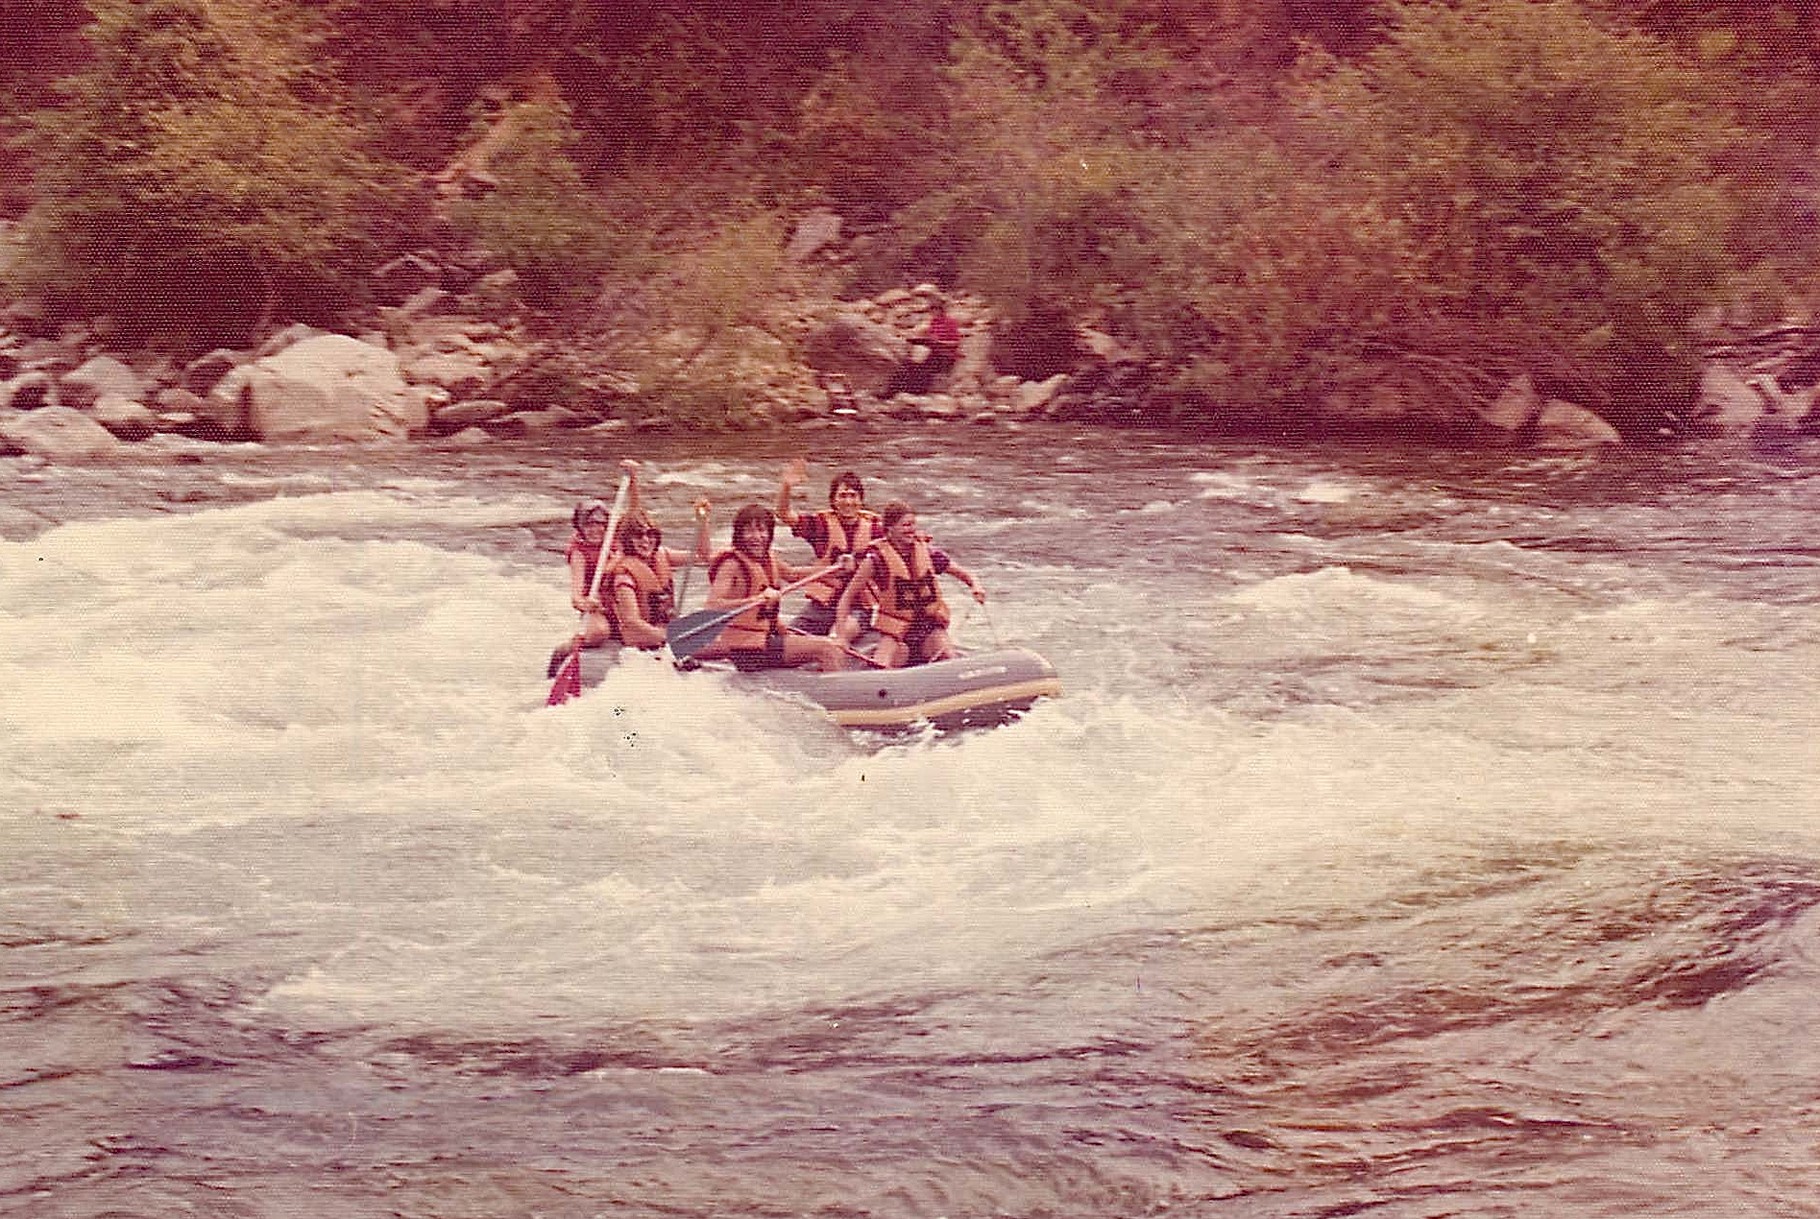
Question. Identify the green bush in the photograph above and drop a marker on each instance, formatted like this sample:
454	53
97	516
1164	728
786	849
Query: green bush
540	217
1555	178
1502	184
200	176
1258	279
708	327
1042	150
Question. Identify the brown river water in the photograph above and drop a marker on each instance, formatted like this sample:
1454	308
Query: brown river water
1419	835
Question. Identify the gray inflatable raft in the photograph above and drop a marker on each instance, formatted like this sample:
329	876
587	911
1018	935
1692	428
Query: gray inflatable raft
978	690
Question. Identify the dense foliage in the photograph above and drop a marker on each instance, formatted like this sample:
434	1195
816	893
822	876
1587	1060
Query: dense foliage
202	173
1274	202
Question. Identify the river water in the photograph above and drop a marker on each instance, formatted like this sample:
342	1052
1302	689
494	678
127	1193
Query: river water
1419	835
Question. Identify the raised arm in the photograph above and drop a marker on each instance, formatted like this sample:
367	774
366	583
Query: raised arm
701	553
702	507
786	492
630	468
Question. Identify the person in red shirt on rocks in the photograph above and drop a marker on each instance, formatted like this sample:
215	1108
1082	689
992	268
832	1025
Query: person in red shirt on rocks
937	351
942	336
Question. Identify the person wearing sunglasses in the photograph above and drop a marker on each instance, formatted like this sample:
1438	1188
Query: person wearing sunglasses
640	599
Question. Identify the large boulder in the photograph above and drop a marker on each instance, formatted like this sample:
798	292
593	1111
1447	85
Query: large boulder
463	375
127	418
863	351
96	378
1786	408
465	414
817	230
204	372
57	434
1515	408
1563	425
1730	401
330	387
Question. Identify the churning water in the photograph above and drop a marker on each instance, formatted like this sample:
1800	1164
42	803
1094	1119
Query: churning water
1418	836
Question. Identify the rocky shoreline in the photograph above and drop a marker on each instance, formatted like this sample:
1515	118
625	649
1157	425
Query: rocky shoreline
450	356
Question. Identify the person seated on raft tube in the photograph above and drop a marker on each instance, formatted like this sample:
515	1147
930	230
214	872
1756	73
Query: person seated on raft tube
844	527
901	569
756	639
641	582
590	530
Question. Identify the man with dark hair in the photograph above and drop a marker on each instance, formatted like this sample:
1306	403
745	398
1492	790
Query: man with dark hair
747	572
844	527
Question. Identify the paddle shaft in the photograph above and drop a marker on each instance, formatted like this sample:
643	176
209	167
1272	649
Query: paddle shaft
848	649
693	632
568	682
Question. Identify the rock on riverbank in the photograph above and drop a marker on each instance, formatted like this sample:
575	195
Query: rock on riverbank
449	355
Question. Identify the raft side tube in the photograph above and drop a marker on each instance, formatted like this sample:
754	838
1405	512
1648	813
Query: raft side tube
974	690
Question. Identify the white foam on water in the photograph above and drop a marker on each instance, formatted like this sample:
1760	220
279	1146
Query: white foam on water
353	725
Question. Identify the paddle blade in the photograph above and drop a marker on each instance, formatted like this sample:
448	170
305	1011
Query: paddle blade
568	681
691	633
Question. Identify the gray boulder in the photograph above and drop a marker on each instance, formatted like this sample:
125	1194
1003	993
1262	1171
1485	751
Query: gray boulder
99	377
867	353
462	375
1515	408
458	415
1563	425
815	231
127	418
290	336
520	424
57	434
1729	401
28	391
202	374
330	387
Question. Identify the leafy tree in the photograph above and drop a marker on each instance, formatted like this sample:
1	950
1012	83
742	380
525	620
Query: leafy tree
540	217
201	176
1555	177
1258	278
707	325
867	134
1043	118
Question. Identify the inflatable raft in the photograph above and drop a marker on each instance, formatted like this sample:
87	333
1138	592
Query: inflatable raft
981	689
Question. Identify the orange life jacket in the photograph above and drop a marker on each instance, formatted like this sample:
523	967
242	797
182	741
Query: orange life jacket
866	530
754	628
908	592
590	555
654	585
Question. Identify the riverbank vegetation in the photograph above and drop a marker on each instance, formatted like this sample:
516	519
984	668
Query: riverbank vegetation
1273	202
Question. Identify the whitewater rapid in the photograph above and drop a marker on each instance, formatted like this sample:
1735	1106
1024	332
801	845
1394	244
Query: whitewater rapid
1377	790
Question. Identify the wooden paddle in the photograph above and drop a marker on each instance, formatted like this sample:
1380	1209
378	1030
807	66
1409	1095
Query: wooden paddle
568	678
691	633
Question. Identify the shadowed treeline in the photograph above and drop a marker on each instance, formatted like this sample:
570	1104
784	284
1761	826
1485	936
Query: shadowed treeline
1278	205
